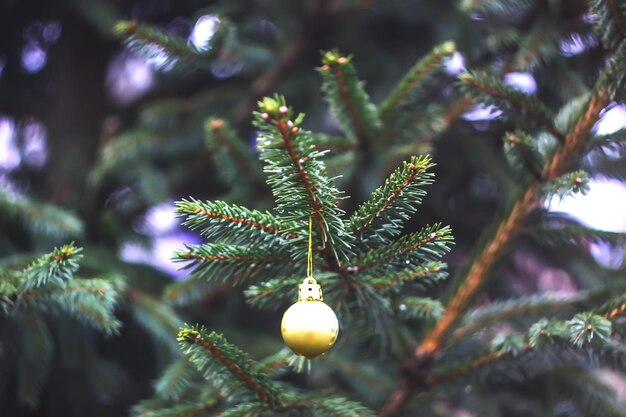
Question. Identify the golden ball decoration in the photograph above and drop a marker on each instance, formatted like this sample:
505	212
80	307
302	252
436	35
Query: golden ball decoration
310	327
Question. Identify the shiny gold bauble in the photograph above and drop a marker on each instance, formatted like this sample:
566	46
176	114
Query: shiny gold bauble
310	327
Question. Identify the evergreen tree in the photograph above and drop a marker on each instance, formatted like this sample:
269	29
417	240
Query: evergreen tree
413	339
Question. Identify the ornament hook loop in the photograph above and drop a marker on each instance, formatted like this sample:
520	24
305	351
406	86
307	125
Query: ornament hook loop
310	290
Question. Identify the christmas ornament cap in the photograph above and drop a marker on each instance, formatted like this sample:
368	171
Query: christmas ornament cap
310	327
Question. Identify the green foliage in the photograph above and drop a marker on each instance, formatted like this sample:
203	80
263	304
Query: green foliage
175	379
226	367
420	307
233	159
500	7
298	178
347	98
584	327
33	363
522	153
379	220
609	21
158	318
426	245
49	284
55	268
510	344
234	224
40	218
166	50
571	183
213	261
488	90
405	99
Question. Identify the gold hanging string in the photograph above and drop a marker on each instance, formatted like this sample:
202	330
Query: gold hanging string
309	265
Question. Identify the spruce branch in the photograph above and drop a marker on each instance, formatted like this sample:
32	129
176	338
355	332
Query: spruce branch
509	226
422	275
230	154
167	48
57	267
500	7
175	379
41	218
506	229
333	407
194	289
377	221
538	47
426	245
234	224
420	307
229	369
522	152
180	409
91	301
347	98
36	348
574	234
525	307
234	263
157	318
488	89
411	88
609	21
298	177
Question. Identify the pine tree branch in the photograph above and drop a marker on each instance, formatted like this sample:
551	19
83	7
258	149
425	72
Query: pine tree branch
616	17
430	271
499	312
207	351
507	228
153	41
264	83
349	102
495	88
298	176
223	142
218	218
415	80
208	253
158	318
395	200
432	241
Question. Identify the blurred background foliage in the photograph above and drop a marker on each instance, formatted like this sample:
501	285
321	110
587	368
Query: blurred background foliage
103	125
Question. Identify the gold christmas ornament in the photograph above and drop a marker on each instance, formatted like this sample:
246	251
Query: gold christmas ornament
310	327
